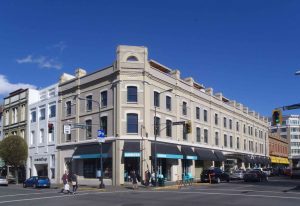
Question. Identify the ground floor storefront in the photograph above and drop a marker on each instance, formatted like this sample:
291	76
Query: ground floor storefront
121	158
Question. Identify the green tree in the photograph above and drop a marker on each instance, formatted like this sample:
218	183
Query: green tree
14	152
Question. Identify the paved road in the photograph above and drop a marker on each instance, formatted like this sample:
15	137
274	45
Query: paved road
278	191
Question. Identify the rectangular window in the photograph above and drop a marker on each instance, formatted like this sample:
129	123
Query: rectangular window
225	122
245	145
156	99
237	126
197	113
103	99
42	113
169	128
68	137
88	124
249	132
42	136
7	117
216	138
205	115
238	143
198	133
132	123
184	134
230	123
32	138
33	116
68	108
15	115
205	136
230	141
89	103
244	129
225	140
216	119
51	137
103	124
23	112
184	108
52	111
168	103
132	94
157	126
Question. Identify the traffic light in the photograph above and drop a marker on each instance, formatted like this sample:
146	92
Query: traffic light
276	117
188	127
50	128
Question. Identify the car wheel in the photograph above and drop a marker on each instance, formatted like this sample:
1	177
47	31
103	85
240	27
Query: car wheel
228	180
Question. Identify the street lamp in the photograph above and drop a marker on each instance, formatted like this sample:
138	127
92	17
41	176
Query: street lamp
100	143
155	136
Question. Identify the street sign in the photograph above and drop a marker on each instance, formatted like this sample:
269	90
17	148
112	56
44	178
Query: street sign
179	123
67	129
80	126
101	135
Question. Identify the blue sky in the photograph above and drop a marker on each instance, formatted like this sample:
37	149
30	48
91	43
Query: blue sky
248	50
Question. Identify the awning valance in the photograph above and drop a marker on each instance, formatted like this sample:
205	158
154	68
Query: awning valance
205	154
279	160
132	149
188	153
164	150
91	151
219	155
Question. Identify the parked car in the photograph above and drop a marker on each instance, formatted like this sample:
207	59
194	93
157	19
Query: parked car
3	181
237	175
36	182
267	171
287	171
295	172
256	176
215	175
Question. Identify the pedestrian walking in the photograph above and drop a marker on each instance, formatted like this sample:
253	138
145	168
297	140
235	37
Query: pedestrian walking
74	183
134	179
66	186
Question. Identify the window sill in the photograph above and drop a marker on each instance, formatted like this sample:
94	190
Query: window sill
132	102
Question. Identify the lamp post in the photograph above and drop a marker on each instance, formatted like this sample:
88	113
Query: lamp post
102	185
155	137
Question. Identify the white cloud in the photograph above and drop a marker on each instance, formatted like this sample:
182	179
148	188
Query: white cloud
6	87
60	45
42	62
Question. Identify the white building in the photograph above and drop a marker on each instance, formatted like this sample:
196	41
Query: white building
42	116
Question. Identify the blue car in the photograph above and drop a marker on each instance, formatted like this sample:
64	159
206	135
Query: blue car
36	182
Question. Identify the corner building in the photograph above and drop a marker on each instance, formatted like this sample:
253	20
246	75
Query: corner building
133	94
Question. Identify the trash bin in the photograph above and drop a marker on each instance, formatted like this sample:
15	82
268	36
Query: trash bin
161	182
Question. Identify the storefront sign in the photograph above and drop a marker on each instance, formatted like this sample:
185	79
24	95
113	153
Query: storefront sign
40	160
191	157
169	156
132	154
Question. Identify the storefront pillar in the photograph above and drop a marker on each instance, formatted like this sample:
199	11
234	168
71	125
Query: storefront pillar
213	163
118	163
243	166
179	171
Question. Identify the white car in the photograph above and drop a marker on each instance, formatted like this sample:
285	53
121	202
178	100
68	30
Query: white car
3	181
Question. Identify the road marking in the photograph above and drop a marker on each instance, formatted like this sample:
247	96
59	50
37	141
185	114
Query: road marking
36	193
267	191
244	195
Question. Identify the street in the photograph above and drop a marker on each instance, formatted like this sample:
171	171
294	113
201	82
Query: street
278	191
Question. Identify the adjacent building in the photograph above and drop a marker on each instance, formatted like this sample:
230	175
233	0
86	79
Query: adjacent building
1	122
290	131
15	112
41	133
279	150
136	101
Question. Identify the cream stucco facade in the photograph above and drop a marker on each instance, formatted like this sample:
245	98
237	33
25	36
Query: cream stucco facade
125	93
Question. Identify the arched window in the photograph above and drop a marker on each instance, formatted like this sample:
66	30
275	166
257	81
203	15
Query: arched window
132	59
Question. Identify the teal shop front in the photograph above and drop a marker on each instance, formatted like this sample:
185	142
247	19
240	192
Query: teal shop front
167	158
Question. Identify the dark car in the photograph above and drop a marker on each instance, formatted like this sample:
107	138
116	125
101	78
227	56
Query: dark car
295	173
36	182
214	175
256	176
